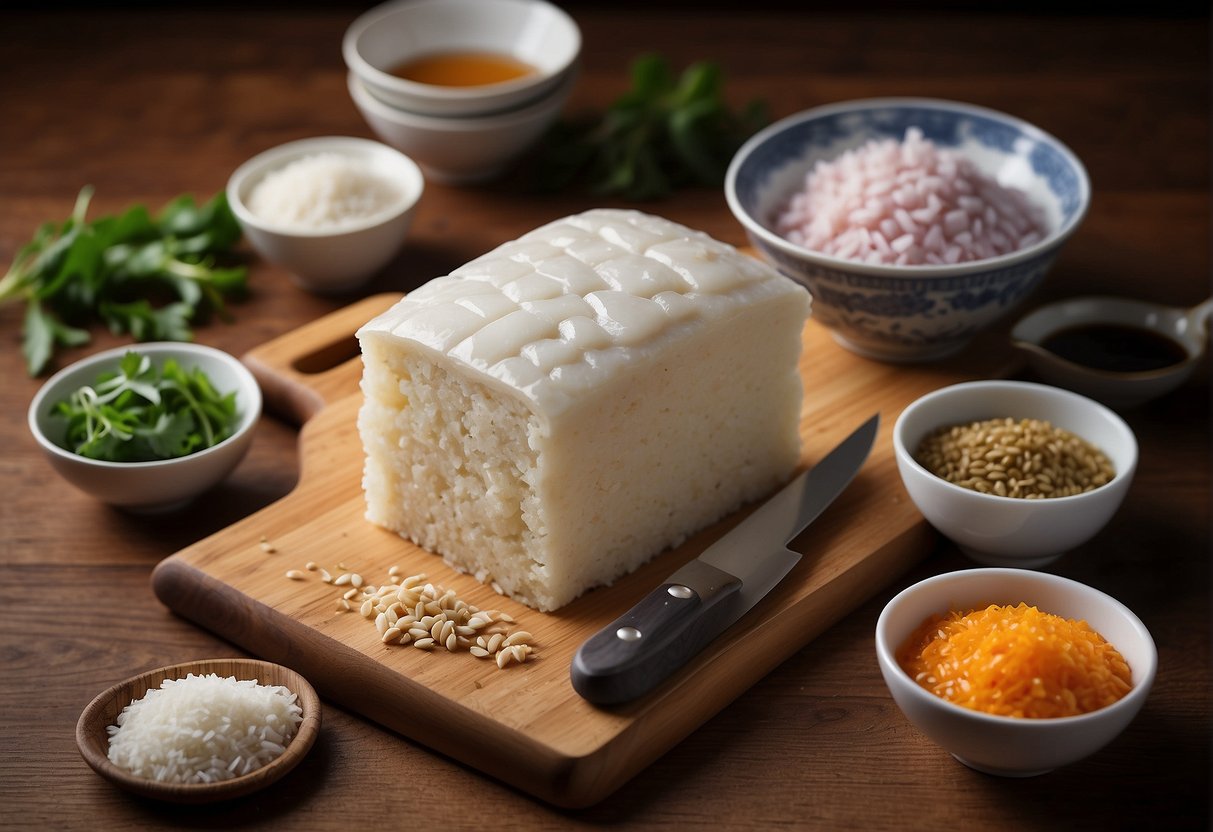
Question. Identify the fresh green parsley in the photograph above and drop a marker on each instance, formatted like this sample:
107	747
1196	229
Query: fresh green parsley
149	277
142	413
664	133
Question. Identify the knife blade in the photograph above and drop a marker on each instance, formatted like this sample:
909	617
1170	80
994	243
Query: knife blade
644	646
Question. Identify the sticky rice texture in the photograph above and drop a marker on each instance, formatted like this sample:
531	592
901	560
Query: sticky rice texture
554	414
908	203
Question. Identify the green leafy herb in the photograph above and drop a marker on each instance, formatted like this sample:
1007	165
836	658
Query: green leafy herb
141	413
664	133
114	269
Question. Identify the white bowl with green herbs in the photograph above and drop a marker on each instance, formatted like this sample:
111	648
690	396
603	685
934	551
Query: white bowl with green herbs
148	427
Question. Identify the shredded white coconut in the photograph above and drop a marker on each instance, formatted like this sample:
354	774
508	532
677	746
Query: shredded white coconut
203	729
908	203
325	191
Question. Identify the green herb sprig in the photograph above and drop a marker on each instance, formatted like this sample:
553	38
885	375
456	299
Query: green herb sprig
112	269
141	413
664	133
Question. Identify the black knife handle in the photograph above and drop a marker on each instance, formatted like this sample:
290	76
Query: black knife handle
642	647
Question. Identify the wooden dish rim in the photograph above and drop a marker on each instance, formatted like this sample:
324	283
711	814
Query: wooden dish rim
93	742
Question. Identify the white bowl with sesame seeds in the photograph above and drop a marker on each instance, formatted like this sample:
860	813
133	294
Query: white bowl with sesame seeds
1022	531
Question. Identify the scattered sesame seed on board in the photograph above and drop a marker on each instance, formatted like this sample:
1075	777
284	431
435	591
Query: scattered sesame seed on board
520	637
413	610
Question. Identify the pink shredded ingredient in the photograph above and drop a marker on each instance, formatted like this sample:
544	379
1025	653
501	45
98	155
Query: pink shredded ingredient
908	203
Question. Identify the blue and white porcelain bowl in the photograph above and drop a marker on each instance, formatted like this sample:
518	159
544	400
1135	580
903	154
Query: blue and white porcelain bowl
908	313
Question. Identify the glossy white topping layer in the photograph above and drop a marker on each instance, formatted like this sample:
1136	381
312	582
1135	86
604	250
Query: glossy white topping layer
563	308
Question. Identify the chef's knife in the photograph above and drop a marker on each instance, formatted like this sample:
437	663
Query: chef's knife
644	646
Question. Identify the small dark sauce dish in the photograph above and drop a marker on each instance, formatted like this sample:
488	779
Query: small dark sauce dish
1119	351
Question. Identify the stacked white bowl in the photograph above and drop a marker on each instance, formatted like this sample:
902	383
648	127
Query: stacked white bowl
461	134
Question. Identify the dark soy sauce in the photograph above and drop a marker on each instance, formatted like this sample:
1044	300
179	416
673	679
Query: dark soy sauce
1115	348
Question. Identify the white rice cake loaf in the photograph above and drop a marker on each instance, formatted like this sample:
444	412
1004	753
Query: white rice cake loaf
555	413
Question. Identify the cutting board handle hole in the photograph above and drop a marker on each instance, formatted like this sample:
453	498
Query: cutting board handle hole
327	357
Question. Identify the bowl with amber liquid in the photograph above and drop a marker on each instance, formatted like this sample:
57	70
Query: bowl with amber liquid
462	58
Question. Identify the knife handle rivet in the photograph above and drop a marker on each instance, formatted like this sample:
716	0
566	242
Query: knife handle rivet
680	591
627	634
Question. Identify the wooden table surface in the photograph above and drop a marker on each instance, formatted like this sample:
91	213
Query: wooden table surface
146	105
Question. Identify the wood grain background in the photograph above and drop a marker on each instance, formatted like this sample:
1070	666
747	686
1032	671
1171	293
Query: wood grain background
528	727
147	104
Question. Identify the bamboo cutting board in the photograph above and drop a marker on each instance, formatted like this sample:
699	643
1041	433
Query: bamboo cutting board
525	725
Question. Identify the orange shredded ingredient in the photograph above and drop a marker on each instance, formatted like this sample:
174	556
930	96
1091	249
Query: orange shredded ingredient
1015	661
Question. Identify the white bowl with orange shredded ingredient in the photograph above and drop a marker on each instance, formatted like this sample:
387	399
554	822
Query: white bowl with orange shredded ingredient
1014	672
1021	474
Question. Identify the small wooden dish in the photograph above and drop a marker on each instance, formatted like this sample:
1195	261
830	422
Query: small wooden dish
93	740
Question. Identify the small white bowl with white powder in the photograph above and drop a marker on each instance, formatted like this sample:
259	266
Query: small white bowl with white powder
332	211
201	731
